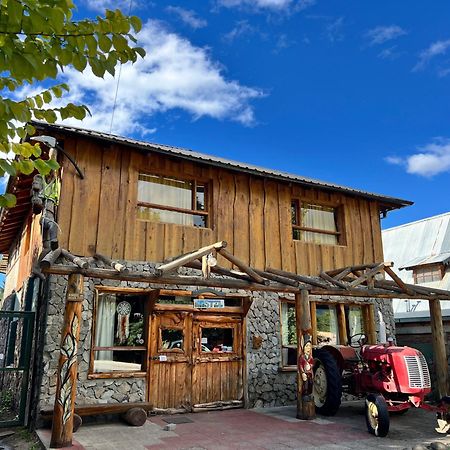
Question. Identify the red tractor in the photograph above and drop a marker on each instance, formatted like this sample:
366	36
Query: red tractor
393	379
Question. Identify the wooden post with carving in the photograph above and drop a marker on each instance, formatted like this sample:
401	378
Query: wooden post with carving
66	384
305	376
439	351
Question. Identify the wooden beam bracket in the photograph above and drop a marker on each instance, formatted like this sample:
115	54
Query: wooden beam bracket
188	257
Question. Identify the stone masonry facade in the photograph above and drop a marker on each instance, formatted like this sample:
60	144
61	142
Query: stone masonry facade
267	385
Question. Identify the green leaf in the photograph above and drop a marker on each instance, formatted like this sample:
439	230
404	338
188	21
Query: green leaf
119	42
47	96
39	101
104	43
140	51
91	43
37	150
52	164
79	62
26	166
7	200
7	167
42	167
136	23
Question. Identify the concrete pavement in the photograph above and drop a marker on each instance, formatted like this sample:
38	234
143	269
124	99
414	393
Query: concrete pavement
266	428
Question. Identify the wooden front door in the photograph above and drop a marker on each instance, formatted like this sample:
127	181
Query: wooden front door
218	362
196	361
170	360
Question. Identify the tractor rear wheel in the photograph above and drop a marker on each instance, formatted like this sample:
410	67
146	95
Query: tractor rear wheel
327	388
377	415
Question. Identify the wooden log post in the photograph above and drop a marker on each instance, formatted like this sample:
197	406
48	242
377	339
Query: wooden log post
305	377
440	354
63	412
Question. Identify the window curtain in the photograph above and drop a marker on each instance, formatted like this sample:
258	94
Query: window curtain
355	324
167	192
320	218
104	336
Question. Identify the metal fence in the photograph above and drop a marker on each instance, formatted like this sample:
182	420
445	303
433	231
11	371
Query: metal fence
16	337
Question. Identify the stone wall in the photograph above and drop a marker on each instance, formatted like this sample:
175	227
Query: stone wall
267	385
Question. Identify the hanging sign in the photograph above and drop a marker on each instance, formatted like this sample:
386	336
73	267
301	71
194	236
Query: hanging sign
209	303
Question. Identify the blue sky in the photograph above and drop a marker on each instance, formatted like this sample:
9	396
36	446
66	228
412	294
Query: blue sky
351	92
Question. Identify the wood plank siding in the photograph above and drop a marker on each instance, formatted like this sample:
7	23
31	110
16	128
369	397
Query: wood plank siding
251	213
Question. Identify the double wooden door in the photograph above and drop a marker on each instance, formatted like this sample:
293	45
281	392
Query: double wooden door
196	361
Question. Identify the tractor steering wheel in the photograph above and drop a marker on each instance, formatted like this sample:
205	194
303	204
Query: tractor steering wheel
357	340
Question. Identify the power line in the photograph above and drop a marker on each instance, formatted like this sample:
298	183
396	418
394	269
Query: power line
118	82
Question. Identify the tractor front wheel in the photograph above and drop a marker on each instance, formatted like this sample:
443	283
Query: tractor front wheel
327	388
377	415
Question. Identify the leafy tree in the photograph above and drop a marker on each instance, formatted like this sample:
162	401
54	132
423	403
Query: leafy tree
38	39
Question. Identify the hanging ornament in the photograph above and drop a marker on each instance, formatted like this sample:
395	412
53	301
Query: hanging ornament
123	322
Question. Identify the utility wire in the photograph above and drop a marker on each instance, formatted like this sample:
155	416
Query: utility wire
118	82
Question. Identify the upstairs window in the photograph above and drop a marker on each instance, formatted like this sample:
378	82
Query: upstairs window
315	223
427	274
169	200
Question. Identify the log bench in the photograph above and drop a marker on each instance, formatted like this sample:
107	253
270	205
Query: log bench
134	414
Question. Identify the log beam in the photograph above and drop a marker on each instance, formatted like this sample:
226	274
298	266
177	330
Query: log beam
244	267
439	350
80	262
305	402
66	375
186	258
145	277
116	265
301	278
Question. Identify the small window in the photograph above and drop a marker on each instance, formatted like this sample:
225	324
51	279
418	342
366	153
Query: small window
327	324
427	274
171	339
169	200
288	334
315	223
217	340
120	342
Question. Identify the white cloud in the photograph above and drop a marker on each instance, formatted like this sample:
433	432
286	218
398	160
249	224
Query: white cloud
102	5
435	49
428	161
242	28
382	34
273	5
389	53
174	75
187	16
334	30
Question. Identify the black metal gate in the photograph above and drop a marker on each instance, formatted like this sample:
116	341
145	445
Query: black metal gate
16	337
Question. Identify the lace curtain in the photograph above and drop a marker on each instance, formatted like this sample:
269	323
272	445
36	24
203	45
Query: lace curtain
167	192
104	334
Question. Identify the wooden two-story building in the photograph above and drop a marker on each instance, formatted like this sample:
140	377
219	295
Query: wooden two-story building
143	203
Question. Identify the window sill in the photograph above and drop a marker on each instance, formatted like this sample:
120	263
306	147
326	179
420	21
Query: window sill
317	243
287	369
97	376
178	224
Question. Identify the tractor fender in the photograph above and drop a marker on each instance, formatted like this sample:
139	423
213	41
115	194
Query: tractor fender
337	352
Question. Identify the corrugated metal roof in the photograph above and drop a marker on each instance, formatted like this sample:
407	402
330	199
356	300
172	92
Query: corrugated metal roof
387	202
443	258
420	242
419	316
